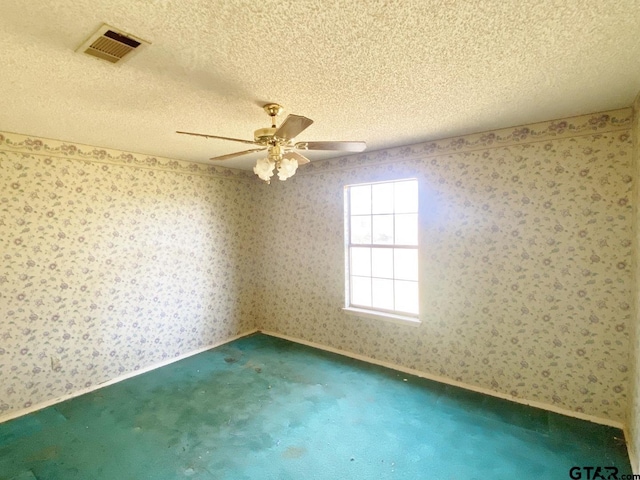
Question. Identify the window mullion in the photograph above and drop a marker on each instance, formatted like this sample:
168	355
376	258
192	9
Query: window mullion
383	245
390	205
351	279
371	276
393	256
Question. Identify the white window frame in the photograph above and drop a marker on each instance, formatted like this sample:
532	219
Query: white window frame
350	308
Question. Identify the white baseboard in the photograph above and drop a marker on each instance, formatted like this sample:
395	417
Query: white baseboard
448	381
410	371
631	451
77	393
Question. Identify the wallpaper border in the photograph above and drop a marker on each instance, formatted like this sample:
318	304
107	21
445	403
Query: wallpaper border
34	408
26	144
618	120
589	124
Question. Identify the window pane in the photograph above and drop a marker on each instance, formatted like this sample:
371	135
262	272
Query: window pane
383	217
361	229
361	261
405	264
382	195
382	262
406	296
383	229
406	197
382	293
361	291
360	200
406	229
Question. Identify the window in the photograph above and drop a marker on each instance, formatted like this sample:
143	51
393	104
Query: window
382	247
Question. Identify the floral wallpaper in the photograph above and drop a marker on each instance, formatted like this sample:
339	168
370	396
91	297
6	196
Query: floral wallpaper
526	265
113	262
634	404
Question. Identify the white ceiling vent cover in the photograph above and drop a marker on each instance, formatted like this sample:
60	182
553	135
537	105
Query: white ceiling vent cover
111	44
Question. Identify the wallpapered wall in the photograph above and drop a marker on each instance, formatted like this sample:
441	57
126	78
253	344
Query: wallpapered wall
526	261
634	404
112	262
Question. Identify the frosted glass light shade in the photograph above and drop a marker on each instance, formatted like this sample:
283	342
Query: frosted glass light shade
287	168
264	169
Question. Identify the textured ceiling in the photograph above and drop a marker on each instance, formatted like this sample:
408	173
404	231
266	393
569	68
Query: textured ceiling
386	72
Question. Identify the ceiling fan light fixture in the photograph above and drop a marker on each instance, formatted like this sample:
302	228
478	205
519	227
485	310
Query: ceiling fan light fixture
264	169
287	168
280	145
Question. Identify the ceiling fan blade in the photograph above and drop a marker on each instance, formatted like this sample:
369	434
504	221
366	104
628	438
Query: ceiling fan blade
342	146
237	154
296	156
292	126
220	138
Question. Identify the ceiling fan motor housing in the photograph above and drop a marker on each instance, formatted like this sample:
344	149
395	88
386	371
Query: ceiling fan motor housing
264	135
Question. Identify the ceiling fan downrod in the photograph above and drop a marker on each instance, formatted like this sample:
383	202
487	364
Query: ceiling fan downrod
273	110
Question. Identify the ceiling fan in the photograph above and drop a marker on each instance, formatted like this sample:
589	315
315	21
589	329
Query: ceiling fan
279	142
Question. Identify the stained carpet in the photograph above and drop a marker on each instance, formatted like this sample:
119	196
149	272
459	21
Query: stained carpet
265	408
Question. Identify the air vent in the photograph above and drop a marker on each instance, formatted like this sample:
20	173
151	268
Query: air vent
111	44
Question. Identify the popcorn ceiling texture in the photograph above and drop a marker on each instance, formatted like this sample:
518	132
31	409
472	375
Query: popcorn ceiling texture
113	262
386	72
526	261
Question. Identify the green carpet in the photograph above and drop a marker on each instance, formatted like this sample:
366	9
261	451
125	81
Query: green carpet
266	408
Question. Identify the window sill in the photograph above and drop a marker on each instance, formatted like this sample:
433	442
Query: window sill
388	317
